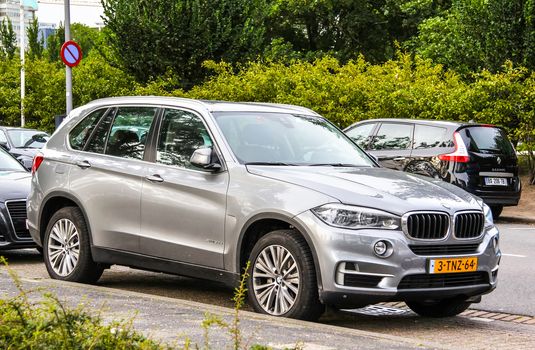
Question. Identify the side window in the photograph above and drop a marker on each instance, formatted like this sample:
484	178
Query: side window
392	136
3	138
428	137
98	141
129	131
81	132
361	134
181	134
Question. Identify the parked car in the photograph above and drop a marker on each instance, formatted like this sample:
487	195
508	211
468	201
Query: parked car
14	188
22	143
215	185
479	158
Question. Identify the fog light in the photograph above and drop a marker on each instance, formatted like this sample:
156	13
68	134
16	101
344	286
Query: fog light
382	249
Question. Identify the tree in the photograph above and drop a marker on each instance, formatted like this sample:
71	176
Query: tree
85	36
8	38
35	44
151	38
480	34
54	43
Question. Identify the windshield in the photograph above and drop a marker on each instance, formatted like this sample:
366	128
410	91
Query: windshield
288	139
28	138
8	163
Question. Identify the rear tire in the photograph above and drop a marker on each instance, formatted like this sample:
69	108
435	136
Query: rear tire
496	211
439	308
283	278
67	249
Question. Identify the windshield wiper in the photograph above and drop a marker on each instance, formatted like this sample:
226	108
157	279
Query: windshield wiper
270	163
337	165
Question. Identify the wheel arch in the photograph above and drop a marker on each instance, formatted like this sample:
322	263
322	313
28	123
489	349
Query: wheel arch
52	203
261	224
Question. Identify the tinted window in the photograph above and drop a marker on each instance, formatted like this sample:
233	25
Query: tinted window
181	134
428	136
81	132
489	140
129	132
361	134
392	136
98	139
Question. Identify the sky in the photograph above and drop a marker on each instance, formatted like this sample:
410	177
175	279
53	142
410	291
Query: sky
48	13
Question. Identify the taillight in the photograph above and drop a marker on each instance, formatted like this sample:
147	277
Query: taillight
37	160
460	154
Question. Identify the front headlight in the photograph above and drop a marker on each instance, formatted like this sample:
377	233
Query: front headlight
352	217
489	222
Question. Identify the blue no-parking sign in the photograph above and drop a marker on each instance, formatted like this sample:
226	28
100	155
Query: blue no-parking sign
71	53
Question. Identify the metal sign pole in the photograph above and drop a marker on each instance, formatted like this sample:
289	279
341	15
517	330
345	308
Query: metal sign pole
68	70
22	61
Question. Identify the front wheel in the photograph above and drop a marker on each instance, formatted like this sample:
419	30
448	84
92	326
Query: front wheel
66	247
282	277
439	308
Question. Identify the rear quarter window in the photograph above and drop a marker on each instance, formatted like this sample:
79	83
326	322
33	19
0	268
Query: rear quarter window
488	140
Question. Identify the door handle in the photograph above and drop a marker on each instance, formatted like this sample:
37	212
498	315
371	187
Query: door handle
154	178
399	159
84	164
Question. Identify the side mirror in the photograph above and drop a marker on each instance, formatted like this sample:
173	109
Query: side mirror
205	158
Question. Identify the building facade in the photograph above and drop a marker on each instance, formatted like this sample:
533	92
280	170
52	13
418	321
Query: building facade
10	9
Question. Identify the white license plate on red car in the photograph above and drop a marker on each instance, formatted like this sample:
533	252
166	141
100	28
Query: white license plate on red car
495	181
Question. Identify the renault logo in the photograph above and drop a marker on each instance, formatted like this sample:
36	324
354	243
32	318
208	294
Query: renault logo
499	160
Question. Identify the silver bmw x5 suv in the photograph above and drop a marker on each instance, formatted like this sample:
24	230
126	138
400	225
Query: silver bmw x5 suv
199	188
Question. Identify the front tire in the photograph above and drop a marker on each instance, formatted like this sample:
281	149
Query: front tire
283	278
67	249
439	308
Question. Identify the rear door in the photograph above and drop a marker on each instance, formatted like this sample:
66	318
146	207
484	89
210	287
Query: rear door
108	173
392	144
429	142
493	157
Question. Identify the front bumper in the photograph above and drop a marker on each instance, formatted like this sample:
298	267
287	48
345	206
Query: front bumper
10	238
341	252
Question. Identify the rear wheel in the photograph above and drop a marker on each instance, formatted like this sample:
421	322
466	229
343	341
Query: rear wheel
496	211
67	251
282	277
439	308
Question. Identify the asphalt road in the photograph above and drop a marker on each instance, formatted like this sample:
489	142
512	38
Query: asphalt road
516	278
513	295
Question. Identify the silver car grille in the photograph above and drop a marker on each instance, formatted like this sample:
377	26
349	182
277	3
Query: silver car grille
469	225
427	225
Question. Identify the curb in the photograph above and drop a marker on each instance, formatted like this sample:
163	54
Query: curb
515	220
196	306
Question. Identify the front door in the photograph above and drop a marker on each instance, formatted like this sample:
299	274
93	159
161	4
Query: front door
183	207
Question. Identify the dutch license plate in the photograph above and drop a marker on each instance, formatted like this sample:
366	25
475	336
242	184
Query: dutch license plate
495	181
451	265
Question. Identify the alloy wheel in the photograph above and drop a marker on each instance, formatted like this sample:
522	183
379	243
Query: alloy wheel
275	278
63	247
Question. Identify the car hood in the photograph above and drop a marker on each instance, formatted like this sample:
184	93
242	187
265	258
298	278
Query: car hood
394	191
14	185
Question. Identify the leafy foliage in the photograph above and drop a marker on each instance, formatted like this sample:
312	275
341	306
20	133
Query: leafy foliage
8	39
151	39
35	44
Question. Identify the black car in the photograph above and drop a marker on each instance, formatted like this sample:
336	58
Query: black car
22	143
15	184
476	157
